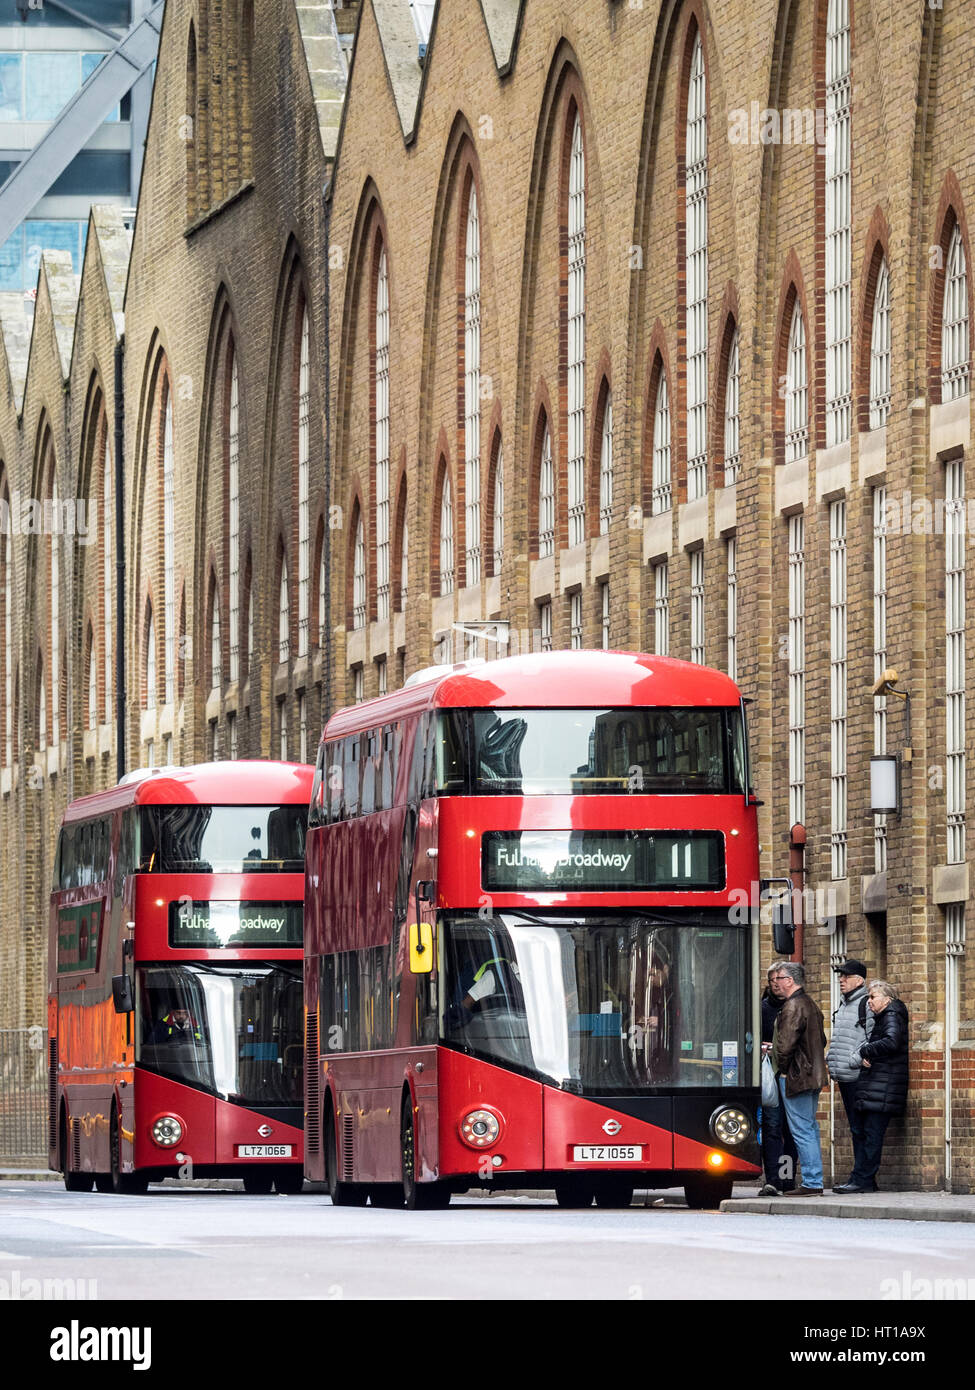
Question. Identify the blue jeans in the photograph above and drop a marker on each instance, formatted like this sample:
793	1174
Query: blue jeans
800	1111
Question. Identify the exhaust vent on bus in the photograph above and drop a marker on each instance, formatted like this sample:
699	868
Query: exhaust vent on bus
52	1094
348	1143
313	1109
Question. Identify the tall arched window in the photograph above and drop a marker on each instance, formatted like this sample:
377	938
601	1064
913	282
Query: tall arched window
880	350
796	405
606	467
284	615
546	499
322	616
696	213
233	508
954	322
576	334
381	388
6	636
359	579
446	537
472	393
732	419
498	523
55	623
838	233
304	538
150	666
41	707
169	552
660	476
216	655
92	710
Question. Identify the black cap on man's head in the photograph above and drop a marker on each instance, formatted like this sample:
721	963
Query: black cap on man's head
851	967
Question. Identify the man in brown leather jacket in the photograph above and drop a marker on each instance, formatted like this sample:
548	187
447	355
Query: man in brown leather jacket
799	1059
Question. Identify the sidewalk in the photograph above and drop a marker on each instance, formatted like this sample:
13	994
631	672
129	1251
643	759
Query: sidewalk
873	1206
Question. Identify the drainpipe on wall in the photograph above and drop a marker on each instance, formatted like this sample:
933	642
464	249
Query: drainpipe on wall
120	711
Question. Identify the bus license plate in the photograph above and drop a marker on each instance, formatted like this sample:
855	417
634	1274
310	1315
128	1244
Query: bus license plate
263	1150
607	1153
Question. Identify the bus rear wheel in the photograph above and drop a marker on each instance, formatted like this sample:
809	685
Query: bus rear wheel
705	1193
343	1194
257	1183
614	1192
419	1196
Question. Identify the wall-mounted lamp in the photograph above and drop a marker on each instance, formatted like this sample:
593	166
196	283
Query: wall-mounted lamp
885	785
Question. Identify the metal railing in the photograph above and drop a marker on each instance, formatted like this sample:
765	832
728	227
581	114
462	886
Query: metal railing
23	1094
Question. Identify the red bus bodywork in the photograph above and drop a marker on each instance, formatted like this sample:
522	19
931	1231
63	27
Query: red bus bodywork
354	874
95	1079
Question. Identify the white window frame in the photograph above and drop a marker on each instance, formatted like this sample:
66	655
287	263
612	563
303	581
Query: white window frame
575	621
284	615
472	394
498	538
546	499
545	626
216	656
880	350
879	656
732	413
661	608
661	494
304	538
604	613
606	467
446	536
796	390
576	335
697	607
838	686
955	365
838	271
169	553
955	773
696	274
233	499
731	558
151	678
359	578
797	669
55	539
108	578
381	369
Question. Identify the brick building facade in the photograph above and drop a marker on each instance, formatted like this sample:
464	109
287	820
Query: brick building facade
644	325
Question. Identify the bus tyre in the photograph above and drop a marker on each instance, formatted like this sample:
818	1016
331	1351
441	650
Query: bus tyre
419	1196
574	1195
386	1194
704	1193
614	1192
289	1181
257	1183
343	1194
125	1184
103	1182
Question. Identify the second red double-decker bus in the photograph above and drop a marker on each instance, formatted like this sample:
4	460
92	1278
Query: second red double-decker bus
529	953
174	972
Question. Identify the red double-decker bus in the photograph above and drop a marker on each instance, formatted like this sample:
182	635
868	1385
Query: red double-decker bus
527	959
174	979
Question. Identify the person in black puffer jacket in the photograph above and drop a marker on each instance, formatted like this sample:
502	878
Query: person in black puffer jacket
882	1088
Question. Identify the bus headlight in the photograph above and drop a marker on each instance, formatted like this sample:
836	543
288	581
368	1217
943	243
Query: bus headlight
731	1126
166	1131
480	1129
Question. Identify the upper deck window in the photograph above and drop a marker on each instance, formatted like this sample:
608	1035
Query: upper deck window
223	839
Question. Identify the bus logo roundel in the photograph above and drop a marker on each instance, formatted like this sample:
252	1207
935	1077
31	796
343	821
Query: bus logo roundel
264	1130
612	1127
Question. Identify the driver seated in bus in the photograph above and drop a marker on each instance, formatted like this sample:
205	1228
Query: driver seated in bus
176	1026
495	984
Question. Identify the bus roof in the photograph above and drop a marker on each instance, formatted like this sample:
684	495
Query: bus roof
236	783
556	680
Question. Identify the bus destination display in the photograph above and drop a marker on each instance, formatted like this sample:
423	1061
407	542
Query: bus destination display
602	860
218	924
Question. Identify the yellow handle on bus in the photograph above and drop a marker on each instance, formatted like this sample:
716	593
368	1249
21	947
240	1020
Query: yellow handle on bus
421	948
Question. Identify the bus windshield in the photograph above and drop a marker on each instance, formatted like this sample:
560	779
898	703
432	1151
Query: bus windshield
235	1031
600	1004
223	839
649	751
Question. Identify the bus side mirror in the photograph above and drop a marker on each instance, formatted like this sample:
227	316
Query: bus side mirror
783	938
421	948
122	994
778	892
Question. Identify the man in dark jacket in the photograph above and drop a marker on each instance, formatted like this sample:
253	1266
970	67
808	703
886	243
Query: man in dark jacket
799	1058
882	1088
852	1025
779	1156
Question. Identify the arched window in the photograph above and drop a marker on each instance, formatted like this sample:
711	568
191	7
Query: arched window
606	467
189	131
92	712
284	615
498	523
41	707
576	334
381	388
6	636
838	233
216	656
322	616
359	579
696	213
55	624
731	415
108	577
233	508
472	393
169	551
954	322
404	565
880	350
660	477
446	537
546	499
796	406
150	659
304	538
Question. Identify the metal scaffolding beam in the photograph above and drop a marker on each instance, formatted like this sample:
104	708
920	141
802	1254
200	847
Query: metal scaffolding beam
118	71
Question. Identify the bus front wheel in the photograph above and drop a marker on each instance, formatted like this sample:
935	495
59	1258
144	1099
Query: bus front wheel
614	1192
419	1196
343	1194
258	1182
574	1195
705	1193
289	1181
